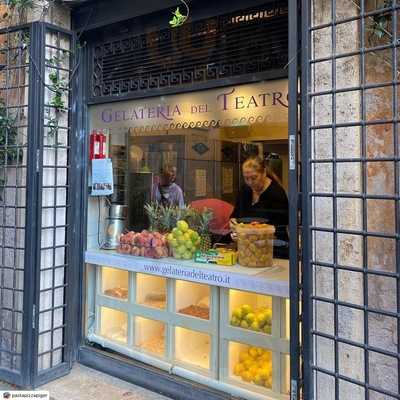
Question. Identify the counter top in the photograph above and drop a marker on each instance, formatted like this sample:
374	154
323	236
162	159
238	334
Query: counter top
273	281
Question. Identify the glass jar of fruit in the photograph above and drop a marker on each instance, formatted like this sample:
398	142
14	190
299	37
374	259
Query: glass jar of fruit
255	244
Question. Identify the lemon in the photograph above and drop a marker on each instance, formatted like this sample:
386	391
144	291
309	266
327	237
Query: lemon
243	355
238	369
253	352
246	376
170	237
248	363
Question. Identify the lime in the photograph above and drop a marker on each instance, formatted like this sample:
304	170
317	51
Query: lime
246	309
244	325
182	225
250	318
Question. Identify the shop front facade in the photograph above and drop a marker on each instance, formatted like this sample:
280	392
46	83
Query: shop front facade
214	206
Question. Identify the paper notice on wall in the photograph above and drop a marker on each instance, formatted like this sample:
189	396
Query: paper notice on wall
227	180
102	177
200	183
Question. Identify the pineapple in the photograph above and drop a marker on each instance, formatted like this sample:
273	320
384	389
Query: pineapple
204	219
153	212
167	218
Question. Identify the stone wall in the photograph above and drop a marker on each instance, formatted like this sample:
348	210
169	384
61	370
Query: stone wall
353	178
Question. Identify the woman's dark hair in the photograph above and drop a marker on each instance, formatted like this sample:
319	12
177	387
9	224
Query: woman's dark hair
258	164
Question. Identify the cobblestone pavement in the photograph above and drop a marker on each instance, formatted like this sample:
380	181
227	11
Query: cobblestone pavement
87	384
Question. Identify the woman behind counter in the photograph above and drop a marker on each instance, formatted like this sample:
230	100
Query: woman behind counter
262	196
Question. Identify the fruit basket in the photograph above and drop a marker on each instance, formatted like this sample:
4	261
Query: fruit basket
255	244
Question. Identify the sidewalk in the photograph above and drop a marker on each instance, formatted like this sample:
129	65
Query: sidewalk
87	384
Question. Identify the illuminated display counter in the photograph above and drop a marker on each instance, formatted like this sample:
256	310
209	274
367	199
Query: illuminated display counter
209	327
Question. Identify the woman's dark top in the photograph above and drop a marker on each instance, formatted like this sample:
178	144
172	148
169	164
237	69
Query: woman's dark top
272	205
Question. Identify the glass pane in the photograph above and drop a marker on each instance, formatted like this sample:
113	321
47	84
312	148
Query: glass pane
193	299
113	324
114	282
150	336
252	365
151	291
250	311
192	347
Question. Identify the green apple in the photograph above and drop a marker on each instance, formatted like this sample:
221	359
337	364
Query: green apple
235	321
187	255
267	329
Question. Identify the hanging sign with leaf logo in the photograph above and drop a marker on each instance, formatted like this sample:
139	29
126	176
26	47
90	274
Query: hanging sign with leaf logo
178	19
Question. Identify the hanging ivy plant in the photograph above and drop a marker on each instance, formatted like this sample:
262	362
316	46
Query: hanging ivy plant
178	19
381	22
8	137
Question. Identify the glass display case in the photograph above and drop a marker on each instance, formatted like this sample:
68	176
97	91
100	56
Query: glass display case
113	324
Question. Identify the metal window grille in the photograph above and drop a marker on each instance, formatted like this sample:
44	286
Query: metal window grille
35	70
246	42
14	92
351	242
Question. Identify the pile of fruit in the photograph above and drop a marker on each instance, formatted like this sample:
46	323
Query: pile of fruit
144	244
255	365
255	244
259	320
183	241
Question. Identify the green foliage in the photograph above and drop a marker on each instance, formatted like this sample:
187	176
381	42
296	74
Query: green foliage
21	6
8	137
178	18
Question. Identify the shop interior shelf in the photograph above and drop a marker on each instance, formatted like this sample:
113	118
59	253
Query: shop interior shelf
113	324
193	348
193	299
150	336
114	283
151	291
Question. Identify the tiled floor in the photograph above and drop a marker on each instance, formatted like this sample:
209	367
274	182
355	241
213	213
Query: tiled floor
87	384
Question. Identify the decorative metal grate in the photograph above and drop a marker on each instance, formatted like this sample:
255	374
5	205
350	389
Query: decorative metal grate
246	42
350	133
14	93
